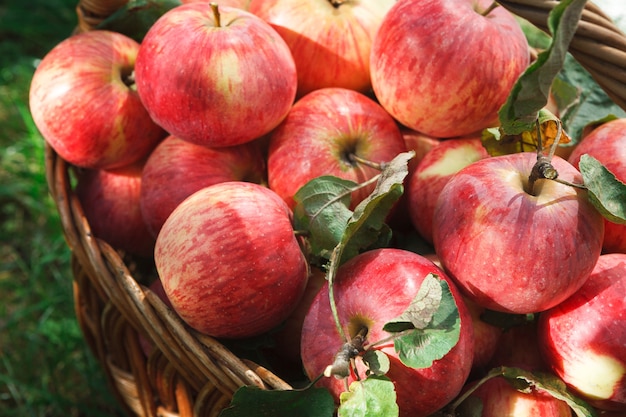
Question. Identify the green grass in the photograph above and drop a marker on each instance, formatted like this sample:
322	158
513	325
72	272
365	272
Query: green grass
46	368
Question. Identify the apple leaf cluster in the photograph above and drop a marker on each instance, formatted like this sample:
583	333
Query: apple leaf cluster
374	396
530	92
322	212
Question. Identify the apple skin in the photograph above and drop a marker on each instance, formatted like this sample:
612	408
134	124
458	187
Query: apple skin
486	338
583	339
241	4
177	168
319	132
518	347
419	143
361	299
432	173
330	44
84	104
511	251
110	201
498	398
443	69
229	260
206	83
607	143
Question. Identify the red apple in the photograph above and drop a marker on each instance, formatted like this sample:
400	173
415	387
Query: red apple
229	260
419	143
518	347
83	102
370	290
431	174
486	337
499	398
321	135
583	339
215	76
110	200
607	144
442	68
241	4
330	39
177	168
513	249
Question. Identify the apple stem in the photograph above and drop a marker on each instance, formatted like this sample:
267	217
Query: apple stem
489	9
355	158
543	168
216	14
340	367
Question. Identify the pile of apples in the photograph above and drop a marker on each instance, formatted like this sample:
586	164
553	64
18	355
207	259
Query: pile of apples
191	143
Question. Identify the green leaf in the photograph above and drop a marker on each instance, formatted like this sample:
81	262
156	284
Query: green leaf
531	91
581	101
419	348
548	383
606	192
367	225
136	17
374	396
422	308
252	401
322	210
377	361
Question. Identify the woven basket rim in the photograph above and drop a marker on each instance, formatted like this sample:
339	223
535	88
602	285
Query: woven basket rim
198	358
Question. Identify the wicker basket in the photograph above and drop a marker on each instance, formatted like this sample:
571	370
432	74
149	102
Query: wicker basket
188	373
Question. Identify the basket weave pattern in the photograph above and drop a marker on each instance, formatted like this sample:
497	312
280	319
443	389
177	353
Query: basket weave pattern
188	373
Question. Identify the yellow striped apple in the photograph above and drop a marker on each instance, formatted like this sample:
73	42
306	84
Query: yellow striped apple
84	103
370	290
513	247
215	75
326	133
177	168
330	40
431	174
229	260
445	67
583	339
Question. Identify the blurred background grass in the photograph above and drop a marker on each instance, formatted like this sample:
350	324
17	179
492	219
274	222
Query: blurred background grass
46	368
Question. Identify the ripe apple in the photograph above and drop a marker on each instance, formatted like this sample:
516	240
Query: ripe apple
583	339
443	68
177	168
419	143
83	101
110	200
215	76
607	143
370	290
499	398
241	4
512	249
518	347
229	260
323	133
486	337
330	39
431	174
